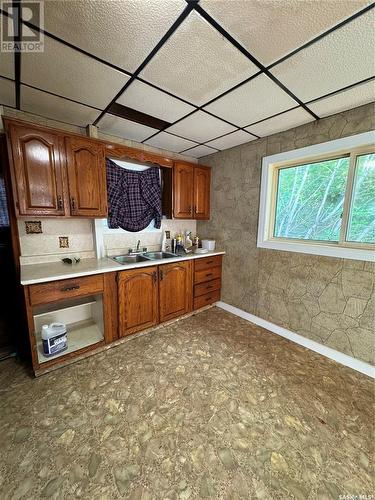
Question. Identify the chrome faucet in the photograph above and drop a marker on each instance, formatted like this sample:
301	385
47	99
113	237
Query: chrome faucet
136	250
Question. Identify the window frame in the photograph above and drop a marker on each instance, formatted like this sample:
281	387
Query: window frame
352	147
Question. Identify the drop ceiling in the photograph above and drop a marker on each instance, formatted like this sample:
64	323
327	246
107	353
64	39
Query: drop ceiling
214	74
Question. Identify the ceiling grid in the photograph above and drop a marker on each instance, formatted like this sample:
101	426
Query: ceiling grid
201	125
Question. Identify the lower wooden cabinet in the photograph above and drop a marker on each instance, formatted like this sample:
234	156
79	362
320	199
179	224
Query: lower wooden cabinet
207	281
175	290
99	309
138	299
87	305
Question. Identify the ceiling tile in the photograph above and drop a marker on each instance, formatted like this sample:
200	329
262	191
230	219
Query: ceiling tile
199	151
7	92
231	140
200	127
121	32
126	129
197	63
351	98
285	121
68	73
169	142
142	97
344	57
273	29
251	102
56	108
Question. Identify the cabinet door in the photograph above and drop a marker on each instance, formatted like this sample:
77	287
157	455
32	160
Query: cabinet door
202	184
183	182
175	290
37	177
138	300
87	177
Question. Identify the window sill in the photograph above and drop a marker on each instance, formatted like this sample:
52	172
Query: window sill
327	250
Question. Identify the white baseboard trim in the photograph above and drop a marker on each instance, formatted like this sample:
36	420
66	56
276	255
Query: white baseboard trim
344	359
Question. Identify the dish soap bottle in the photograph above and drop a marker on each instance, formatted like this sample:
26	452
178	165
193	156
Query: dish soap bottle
188	241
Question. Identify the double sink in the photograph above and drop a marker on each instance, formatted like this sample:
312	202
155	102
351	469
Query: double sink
142	257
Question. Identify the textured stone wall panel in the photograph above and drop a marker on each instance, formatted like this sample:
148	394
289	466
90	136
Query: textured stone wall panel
328	300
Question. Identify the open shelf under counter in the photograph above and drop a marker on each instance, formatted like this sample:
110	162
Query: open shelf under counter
83	318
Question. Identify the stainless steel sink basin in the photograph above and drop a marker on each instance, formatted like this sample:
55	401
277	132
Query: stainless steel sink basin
159	255
129	259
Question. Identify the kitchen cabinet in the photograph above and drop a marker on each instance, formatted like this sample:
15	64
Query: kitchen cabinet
88	307
191	191
100	309
175	290
38	171
183	185
207	281
54	174
138	299
85	160
202	188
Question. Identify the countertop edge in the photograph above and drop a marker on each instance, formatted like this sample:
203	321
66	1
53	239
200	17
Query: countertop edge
111	269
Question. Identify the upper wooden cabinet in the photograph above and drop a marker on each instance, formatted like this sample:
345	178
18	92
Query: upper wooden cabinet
191	193
175	290
202	189
87	177
55	174
183	185
38	173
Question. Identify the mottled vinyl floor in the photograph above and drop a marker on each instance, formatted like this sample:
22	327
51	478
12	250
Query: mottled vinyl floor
209	407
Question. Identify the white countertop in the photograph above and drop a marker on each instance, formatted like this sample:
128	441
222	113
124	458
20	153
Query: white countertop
51	271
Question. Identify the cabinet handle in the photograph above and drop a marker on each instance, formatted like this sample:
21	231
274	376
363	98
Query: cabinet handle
195	209
209	274
210	262
189	210
73	204
161	275
59	202
208	298
69	288
209	287
154	277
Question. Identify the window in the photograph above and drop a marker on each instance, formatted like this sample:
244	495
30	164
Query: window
321	199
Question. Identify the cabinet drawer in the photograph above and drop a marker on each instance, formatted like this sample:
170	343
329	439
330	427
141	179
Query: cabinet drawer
206	299
207	275
65	289
208	287
208	262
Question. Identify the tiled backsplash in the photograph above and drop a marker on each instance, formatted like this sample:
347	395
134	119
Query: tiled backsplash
45	247
115	244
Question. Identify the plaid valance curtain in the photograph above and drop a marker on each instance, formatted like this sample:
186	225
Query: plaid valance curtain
134	198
